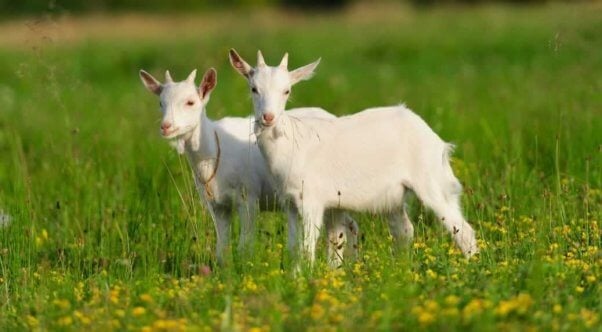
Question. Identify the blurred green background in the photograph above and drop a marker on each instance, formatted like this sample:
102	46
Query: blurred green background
27	7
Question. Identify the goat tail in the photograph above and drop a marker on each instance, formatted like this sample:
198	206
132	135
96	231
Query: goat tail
455	185
448	150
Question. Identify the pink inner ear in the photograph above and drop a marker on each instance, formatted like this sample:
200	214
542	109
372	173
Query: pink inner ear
207	86
154	87
150	82
236	61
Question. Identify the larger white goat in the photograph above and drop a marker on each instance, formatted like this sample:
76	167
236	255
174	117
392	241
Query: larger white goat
228	167
364	162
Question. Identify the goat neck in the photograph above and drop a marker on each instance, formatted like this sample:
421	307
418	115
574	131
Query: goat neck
201	148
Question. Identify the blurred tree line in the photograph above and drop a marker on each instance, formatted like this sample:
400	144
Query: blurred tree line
10	8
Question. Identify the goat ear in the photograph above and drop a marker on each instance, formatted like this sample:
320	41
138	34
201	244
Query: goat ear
303	73
239	64
208	84
150	82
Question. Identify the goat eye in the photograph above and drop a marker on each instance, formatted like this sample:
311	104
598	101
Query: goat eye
254	89
190	103
287	92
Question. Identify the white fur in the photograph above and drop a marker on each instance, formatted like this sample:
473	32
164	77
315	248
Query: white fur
242	179
5	219
363	162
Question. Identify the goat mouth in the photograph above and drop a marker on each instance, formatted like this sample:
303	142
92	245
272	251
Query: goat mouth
170	134
177	132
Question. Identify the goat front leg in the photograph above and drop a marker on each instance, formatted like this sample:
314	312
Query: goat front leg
313	218
293	226
246	214
222	219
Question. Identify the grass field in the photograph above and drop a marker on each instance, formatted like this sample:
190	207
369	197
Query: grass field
102	228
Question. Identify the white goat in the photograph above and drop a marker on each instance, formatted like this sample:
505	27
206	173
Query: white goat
364	162
229	170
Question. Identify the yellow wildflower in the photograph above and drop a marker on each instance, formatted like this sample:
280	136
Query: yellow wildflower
65	321
426	318
589	317
120	313
322	296
256	329
63	304
524	302
452	300
337	283
419	245
79	291
169	324
431	274
336	318
146	298
450	312
249	285
376	315
431	306
426	314
474	308
504	308
317	311
160	324
138	311
114	295
115	323
32	321
519	304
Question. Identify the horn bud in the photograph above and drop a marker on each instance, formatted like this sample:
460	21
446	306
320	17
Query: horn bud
260	60
168	78
284	62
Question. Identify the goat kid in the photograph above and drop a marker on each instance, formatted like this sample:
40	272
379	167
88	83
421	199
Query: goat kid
364	162
229	170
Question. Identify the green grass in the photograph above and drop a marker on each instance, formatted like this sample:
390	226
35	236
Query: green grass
107	231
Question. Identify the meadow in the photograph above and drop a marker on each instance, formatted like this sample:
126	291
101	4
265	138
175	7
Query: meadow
101	227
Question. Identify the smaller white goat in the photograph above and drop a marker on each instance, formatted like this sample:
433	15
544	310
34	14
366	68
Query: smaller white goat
229	170
364	162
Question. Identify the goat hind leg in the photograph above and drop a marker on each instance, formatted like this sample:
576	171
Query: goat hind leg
337	237
222	219
400	228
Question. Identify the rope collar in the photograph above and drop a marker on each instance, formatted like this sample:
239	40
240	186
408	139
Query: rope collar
208	190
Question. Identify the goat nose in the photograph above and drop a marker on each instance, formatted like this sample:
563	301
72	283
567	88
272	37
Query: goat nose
165	125
268	117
